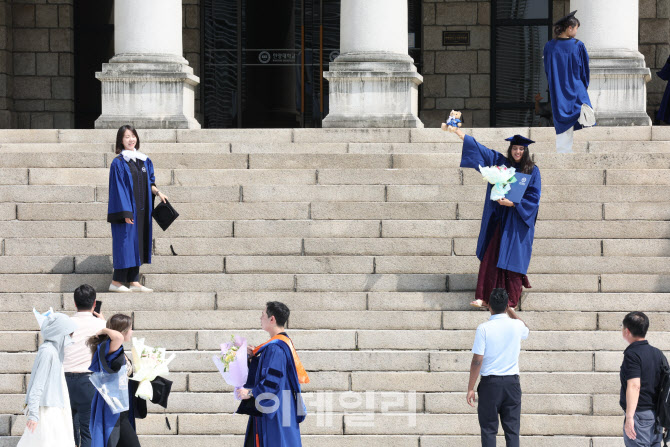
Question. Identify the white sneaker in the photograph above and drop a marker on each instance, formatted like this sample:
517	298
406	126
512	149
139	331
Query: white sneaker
140	289
121	288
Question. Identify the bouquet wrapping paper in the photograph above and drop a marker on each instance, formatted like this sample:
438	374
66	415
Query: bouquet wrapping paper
148	363
500	177
232	362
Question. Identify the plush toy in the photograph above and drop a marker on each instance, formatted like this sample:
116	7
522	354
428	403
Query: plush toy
453	122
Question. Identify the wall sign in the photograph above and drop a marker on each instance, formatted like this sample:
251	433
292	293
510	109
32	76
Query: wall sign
455	38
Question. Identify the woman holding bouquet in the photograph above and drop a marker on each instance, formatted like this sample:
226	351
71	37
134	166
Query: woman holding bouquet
107	428
506	235
131	186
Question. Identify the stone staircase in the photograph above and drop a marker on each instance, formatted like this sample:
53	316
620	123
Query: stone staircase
369	236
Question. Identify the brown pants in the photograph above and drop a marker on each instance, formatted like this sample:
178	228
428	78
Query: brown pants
491	277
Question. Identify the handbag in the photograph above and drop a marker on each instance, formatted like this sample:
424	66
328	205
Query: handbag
165	214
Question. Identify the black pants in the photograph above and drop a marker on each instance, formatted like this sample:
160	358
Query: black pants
127	434
81	392
499	395
128	275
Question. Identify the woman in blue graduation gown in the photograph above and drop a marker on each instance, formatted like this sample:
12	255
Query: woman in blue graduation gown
132	185
507	230
109	429
566	63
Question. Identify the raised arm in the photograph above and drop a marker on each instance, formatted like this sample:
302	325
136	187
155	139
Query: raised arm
475	155
514	316
115	338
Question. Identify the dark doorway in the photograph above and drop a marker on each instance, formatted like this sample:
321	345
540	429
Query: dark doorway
93	46
520	29
263	60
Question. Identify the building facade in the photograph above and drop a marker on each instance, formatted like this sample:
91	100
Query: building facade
261	63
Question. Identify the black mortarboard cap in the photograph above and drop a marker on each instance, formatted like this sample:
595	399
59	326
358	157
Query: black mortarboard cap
248	407
161	388
165	214
572	14
518	140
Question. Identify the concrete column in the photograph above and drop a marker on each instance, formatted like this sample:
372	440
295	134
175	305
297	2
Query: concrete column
373	83
134	34
148	82
618	91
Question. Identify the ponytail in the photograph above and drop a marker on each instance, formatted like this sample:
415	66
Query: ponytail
560	27
118	322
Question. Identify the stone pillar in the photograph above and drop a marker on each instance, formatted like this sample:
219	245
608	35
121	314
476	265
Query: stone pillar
373	83
618	91
148	82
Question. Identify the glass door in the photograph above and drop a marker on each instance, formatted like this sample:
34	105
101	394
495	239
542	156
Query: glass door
520	30
263	60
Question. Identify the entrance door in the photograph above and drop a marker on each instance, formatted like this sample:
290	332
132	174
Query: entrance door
520	30
263	60
93	46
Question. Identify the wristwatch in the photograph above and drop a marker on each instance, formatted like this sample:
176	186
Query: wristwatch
251	393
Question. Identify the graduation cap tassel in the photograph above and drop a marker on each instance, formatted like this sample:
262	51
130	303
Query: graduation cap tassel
167	421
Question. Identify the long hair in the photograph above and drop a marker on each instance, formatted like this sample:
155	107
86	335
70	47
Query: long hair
526	165
560	27
119	138
118	322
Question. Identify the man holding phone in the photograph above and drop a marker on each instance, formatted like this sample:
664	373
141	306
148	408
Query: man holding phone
77	359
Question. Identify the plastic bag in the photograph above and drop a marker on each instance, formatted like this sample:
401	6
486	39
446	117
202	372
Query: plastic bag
587	116
113	388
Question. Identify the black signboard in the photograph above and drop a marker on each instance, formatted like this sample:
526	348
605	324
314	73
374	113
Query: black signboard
455	38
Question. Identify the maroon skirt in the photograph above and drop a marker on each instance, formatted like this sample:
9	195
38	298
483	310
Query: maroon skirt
491	277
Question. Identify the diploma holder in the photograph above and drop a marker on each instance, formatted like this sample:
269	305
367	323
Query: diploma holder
518	188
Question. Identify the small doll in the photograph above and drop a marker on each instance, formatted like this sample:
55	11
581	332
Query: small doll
453	122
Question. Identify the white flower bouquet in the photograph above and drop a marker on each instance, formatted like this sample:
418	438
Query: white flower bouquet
148	363
501	177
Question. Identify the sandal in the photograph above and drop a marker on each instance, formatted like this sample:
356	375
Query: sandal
479	304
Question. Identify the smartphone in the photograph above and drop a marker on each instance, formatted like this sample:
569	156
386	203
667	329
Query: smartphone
98	305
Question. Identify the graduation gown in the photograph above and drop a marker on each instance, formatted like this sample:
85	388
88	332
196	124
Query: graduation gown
517	224
105	425
566	64
276	378
126	238
664	110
